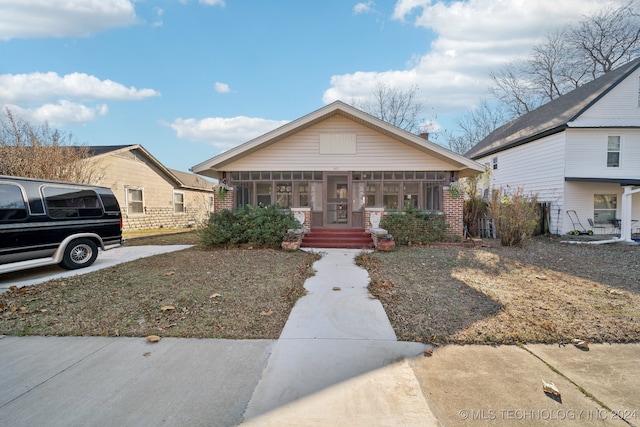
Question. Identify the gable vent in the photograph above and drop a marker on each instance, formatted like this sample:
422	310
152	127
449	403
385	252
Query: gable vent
338	143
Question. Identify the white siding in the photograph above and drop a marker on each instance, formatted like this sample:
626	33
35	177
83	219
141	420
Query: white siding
620	104
374	151
587	153
538	169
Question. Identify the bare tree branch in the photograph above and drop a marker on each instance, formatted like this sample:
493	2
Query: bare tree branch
42	152
401	108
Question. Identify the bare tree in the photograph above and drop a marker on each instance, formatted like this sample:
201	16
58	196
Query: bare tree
42	152
401	108
608	38
569	58
474	126
517	94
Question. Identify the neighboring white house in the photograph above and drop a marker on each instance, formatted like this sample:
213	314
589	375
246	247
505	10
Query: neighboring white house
579	152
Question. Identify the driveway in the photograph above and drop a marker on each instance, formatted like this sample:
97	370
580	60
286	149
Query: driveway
105	259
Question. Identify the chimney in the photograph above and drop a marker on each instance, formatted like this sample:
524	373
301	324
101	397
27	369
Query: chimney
424	135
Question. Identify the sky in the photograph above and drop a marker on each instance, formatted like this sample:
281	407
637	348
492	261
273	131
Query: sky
190	79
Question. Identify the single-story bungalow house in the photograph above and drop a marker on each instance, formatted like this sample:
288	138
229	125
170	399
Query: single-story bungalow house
150	194
336	166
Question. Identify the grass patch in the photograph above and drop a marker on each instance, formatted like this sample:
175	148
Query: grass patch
230	293
546	292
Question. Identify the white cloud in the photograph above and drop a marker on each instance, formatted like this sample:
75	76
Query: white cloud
213	2
159	12
221	87
363	8
471	38
62	99
61	113
62	18
223	133
42	87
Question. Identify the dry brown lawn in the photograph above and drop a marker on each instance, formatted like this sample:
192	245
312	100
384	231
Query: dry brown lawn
223	293
545	292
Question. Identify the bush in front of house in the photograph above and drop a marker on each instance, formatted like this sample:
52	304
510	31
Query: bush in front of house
414	226
263	226
516	216
475	209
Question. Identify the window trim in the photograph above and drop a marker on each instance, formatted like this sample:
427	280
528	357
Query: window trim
127	188
619	151
184	205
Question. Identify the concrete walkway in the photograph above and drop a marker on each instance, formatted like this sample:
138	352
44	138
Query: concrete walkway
334	335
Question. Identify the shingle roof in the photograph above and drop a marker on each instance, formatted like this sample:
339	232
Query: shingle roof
553	116
191	180
96	150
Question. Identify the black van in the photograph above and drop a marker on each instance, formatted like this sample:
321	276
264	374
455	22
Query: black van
50	222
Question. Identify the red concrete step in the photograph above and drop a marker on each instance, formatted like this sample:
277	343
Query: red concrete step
346	238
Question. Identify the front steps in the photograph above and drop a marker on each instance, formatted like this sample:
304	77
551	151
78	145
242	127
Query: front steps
343	238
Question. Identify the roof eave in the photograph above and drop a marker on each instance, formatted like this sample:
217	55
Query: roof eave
519	142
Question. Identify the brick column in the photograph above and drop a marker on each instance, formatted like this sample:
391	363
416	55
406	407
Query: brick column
307	216
220	204
453	208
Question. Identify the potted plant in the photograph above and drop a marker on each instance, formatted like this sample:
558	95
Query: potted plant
386	243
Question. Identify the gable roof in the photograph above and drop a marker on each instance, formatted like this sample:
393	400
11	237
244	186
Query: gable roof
184	180
465	166
552	117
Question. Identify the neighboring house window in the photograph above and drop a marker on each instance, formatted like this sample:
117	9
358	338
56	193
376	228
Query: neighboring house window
604	208
613	152
135	200
178	202
211	203
494	163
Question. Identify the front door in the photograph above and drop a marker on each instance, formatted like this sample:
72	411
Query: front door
337	212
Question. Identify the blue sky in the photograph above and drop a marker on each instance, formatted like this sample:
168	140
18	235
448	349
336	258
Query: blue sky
189	79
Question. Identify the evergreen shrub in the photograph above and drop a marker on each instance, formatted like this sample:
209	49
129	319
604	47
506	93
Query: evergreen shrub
414	226
262	227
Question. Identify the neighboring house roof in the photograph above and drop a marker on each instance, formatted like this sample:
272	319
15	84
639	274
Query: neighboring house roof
554	116
465	166
191	180
184	180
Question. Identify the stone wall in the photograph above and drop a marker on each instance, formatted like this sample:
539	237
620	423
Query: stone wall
154	218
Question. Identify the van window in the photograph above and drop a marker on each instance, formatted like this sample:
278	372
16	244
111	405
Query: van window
110	203
12	206
71	203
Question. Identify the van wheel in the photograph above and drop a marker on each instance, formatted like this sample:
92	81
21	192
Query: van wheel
79	253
